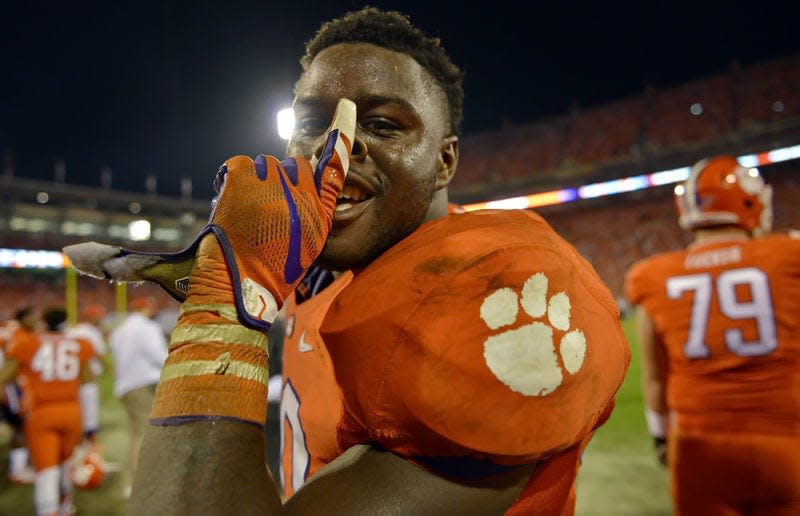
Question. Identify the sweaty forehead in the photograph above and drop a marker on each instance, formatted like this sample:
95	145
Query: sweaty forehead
355	70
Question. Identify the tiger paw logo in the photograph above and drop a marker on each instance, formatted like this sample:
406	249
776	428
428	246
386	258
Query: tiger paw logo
531	359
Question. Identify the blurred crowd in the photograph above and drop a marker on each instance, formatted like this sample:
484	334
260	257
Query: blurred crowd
737	104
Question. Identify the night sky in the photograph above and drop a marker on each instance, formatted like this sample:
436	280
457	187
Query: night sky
173	88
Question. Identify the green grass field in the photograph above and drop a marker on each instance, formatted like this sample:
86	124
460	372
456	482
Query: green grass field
619	476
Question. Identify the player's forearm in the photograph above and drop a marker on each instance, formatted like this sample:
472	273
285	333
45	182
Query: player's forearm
653	363
205	467
365	481
204	450
655	396
654	389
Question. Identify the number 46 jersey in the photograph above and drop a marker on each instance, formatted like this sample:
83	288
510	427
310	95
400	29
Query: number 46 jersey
50	366
728	314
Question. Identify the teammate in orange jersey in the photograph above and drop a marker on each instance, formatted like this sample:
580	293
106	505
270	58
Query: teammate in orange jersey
19	469
473	354
50	368
719	326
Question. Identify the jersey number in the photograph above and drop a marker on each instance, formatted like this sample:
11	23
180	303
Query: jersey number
759	308
301	459
57	360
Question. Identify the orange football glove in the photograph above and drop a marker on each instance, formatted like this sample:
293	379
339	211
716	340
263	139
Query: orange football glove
271	220
268	224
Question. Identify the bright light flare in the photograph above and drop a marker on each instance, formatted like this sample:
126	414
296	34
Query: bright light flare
286	123
666	177
139	230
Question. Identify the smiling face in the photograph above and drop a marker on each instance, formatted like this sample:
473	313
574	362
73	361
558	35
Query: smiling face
403	156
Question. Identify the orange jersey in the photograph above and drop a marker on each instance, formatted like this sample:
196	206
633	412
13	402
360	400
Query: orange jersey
480	342
311	404
728	314
49	366
734	472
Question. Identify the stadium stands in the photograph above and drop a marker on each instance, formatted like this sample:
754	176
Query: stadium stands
728	112
743	110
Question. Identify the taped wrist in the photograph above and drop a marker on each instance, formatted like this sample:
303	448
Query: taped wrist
216	369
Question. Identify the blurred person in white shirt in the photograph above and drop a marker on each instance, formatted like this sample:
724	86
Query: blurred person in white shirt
139	348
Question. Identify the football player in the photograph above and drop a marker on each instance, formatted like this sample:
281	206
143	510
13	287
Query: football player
719	327
458	365
19	469
50	368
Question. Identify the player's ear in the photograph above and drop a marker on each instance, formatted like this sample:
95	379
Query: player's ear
448	161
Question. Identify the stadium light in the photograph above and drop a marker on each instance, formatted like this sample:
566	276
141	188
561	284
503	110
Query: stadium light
32	259
629	184
139	230
666	177
285	123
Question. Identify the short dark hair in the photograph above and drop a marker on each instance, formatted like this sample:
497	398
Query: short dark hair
54	317
23	312
394	31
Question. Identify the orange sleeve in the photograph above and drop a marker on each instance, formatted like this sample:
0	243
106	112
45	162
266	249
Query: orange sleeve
637	281
22	346
508	350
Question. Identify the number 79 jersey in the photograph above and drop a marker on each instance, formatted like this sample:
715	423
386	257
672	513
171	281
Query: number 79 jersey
728	314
